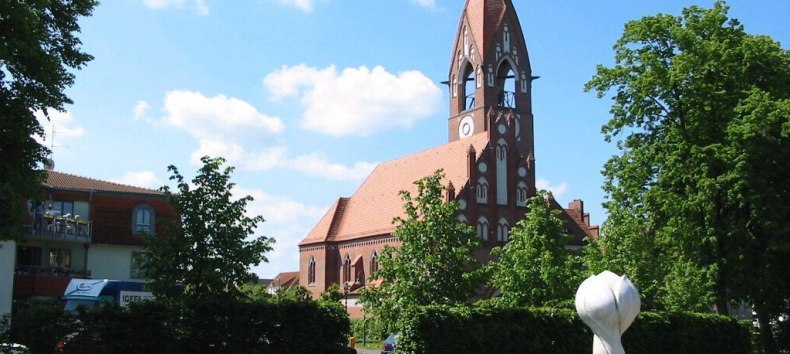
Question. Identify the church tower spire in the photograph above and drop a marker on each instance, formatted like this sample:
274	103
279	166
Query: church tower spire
490	76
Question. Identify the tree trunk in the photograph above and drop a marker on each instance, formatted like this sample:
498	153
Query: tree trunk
767	341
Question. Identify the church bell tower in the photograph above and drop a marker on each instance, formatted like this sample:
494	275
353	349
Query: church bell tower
490	77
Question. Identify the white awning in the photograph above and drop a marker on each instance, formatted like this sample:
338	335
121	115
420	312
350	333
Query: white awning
84	288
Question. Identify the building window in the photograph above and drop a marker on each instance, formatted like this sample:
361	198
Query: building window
135	267
501	150
58	208
311	271
347	269
482	228
60	258
506	83
521	194
28	257
143	219
467	85
482	190
374	262
503	228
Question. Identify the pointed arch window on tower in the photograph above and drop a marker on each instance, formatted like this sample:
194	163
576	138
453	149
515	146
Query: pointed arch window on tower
506	83
467	87
482	228
502	230
482	190
311	271
347	269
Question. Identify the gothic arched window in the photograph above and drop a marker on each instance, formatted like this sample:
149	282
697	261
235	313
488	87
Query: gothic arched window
521	194
506	83
311	271
467	87
347	269
502	230
482	228
374	262
482	190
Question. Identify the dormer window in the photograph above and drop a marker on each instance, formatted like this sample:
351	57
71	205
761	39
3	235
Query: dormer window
143	219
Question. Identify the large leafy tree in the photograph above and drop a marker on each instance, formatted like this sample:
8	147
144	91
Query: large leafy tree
435	264
38	46
701	115
207	254
535	268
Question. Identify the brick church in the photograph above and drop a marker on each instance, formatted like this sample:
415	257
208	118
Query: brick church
489	161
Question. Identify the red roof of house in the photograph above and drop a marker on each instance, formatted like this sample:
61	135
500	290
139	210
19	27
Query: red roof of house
369	212
65	181
286	279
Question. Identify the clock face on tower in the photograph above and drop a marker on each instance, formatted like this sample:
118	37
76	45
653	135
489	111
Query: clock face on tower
466	127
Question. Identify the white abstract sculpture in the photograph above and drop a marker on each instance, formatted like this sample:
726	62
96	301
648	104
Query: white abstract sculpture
608	304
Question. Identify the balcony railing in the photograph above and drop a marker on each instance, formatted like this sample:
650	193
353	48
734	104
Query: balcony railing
32	281
66	229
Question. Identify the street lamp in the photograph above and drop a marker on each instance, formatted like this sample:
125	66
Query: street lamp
346	288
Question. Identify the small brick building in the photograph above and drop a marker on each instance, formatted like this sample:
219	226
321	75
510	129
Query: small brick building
489	161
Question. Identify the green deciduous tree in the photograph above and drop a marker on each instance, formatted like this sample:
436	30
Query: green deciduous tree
38	46
701	115
535	268
206	255
435	264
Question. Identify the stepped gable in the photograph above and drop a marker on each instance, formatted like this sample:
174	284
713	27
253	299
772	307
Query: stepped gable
370	211
65	181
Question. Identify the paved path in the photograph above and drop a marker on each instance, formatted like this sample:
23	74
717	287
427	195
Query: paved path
368	351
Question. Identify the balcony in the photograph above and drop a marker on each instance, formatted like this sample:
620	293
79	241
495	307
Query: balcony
61	229
32	281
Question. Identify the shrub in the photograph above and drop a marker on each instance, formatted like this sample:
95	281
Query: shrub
545	330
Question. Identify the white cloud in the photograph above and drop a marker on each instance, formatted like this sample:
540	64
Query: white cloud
557	190
199	6
60	127
304	5
429	4
287	221
356	101
213	118
145	179
233	129
140	110
318	165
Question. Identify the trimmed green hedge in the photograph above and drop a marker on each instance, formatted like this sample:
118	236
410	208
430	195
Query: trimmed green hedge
287	327
492	330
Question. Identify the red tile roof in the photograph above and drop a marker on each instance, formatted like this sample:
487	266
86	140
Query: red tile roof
369	212
65	181
286	280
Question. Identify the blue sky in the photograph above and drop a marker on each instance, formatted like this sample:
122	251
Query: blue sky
304	97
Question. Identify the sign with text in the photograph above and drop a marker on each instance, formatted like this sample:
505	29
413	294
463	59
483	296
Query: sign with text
132	296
